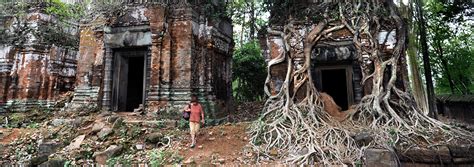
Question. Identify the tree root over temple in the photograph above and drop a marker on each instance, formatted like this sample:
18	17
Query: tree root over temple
298	129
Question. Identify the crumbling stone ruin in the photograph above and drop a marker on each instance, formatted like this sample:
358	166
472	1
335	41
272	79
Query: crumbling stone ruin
157	55
335	60
34	71
148	56
338	86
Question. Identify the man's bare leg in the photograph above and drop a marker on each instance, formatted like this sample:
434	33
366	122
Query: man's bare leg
193	140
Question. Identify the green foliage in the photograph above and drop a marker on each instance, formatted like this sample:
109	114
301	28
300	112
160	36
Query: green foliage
123	132
183	124
163	157
358	163
450	38
249	72
135	131
130	133
157	158
112	161
14	8
249	16
213	11
67	164
160	124
8	11
17	117
52	34
281	11
64	11
33	126
104	8
124	160
57	32
87	152
392	132
259	125
15	120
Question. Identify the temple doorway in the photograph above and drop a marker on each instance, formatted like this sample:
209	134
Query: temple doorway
337	82
128	79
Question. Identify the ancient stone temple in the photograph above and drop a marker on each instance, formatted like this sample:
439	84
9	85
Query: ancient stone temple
336	63
35	71
156	55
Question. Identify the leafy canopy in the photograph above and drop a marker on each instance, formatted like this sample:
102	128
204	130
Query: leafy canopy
451	46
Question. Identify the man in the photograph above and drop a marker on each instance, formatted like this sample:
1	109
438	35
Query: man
196	116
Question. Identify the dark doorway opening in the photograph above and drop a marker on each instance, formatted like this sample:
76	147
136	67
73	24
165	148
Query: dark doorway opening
128	80
334	83
135	82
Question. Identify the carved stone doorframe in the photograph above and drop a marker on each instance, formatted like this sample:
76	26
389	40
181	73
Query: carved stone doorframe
110	54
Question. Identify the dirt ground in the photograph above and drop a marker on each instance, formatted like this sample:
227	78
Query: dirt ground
8	135
215	144
224	143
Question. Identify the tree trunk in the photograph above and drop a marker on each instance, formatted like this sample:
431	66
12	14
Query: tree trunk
426	61
251	20
419	92
444	63
462	82
242	31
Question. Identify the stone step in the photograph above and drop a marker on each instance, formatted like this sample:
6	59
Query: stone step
82	91
85	95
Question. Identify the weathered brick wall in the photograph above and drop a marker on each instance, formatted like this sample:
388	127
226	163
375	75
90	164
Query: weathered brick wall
32	77
34	74
458	107
7	54
212	75
91	54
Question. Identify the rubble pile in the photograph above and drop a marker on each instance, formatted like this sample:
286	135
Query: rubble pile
88	137
37	115
85	135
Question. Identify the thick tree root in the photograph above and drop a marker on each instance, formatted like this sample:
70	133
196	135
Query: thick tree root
303	133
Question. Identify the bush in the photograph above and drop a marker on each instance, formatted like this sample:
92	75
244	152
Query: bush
249	72
183	124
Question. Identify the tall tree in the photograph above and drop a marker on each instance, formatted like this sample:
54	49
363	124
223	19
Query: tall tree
418	90
248	16
450	40
426	60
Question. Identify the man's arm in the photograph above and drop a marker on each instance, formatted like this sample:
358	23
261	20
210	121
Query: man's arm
187	108
202	114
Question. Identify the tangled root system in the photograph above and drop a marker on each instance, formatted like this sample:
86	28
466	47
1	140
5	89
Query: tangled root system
300	130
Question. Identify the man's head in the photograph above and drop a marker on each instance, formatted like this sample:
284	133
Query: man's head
194	99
